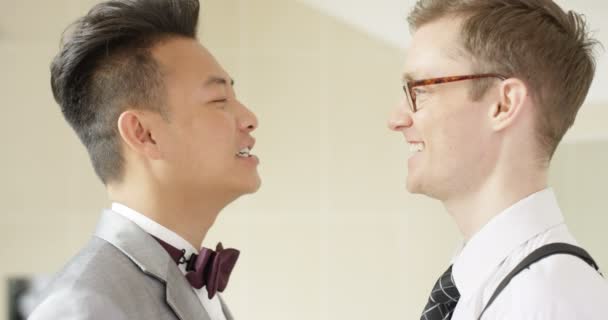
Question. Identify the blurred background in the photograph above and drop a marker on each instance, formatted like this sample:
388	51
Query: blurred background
332	234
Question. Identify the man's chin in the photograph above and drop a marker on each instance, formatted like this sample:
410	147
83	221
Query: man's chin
424	189
413	186
255	187
251	187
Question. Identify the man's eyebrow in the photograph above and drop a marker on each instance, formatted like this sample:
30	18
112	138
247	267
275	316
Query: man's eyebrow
218	80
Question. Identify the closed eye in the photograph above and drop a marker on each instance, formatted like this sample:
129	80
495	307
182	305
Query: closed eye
219	103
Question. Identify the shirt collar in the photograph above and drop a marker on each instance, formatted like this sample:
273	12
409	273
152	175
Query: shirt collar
489	247
154	228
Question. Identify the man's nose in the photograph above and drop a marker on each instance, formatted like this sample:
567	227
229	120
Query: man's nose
400	119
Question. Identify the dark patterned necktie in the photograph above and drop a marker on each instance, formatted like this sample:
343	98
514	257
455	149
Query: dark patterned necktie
443	299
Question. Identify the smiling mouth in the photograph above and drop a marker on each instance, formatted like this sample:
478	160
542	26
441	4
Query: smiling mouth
416	147
244	153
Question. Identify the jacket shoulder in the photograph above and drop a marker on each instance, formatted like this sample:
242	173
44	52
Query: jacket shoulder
100	279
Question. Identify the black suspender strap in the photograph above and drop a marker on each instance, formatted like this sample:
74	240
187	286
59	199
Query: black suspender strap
537	255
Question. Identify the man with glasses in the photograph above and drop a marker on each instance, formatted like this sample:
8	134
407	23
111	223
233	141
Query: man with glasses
491	87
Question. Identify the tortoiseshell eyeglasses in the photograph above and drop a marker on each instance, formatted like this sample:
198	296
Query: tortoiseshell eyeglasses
410	85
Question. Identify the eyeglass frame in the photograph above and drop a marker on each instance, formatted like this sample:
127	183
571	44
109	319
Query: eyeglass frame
409	85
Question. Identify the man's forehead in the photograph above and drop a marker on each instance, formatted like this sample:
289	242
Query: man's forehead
182	52
443	32
427	64
187	57
428	57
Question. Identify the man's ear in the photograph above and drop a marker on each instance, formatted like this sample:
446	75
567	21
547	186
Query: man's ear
135	128
512	100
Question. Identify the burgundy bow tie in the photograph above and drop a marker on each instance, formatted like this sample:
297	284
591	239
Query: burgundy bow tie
208	268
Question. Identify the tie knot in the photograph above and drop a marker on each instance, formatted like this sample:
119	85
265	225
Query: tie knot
443	299
445	290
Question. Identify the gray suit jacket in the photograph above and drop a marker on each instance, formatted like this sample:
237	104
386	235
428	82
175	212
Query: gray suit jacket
122	273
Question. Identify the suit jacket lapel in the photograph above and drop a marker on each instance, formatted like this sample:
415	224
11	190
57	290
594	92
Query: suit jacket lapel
225	309
153	260
182	298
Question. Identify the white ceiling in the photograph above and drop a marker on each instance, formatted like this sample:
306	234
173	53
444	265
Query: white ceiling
386	20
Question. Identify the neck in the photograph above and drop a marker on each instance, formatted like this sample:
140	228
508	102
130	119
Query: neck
189	215
475	209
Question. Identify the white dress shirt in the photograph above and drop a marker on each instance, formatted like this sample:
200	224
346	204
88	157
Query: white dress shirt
557	287
212	306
